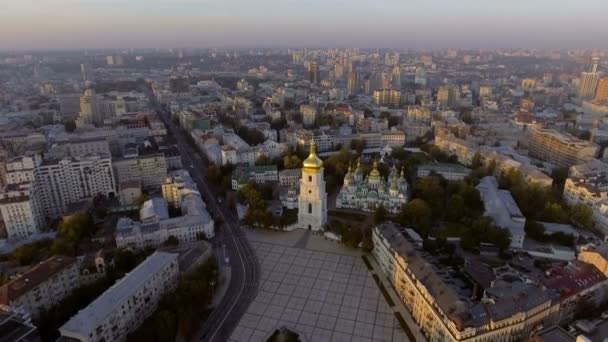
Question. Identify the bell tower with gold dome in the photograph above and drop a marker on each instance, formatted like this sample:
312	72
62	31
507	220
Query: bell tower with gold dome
312	201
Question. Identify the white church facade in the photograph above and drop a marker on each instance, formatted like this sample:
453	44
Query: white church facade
312	200
371	192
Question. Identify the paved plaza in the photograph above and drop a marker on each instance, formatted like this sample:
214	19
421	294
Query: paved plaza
320	295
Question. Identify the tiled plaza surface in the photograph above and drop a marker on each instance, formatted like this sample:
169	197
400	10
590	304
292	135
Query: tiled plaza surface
323	296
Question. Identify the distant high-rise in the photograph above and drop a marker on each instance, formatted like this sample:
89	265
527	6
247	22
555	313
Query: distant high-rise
87	73
589	80
396	77
313	72
601	94
353	84
89	109
448	95
387	97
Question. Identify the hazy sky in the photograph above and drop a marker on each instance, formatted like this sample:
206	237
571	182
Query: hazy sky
26	24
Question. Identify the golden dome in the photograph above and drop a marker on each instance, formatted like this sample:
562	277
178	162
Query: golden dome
313	163
375	174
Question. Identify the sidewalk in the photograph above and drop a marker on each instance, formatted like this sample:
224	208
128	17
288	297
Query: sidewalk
399	306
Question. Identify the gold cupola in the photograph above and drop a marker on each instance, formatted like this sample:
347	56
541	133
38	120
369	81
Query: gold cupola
313	163
375	174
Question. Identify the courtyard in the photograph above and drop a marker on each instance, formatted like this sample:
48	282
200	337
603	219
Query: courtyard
322	295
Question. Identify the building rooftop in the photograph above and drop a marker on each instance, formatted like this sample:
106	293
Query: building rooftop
553	334
445	167
33	277
509	298
572	278
500	205
92	316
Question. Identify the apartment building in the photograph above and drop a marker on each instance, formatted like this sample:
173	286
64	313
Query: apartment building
178	184
155	226
41	287
561	149
21	211
587	184
19	204
65	181
78	148
125	305
387	97
463	149
451	172
258	174
508	312
149	168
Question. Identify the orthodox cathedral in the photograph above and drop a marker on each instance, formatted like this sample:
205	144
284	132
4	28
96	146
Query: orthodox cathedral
368	193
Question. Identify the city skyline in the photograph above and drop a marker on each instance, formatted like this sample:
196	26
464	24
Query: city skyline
67	24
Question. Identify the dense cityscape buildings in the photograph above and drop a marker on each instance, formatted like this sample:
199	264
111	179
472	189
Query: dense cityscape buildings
376	194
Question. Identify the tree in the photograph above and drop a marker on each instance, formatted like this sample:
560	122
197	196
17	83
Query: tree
171	241
559	176
141	199
418	214
70	126
358	145
431	190
75	228
476	162
380	215
292	162
582	215
535	230
263	160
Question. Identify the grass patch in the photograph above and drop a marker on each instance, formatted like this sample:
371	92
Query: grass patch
404	326
347	216
366	261
388	298
290	216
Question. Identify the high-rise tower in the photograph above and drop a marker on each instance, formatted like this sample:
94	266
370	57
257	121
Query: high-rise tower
313	72
589	80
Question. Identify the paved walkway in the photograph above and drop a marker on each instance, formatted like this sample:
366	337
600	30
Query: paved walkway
399	306
303	240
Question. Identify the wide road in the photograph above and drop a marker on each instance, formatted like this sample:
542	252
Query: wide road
245	268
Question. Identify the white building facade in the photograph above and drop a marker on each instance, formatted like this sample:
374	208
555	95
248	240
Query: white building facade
125	305
369	193
312	201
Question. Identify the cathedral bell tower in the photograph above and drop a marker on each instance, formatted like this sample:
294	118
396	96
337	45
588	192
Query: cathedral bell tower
312	201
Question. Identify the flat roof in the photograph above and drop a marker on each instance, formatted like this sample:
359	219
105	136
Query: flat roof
89	318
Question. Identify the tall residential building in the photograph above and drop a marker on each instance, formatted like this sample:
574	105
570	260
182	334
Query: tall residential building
313	72
21	211
125	305
352	86
589	80
396	77
68	180
312	201
309	115
19	204
601	94
86	72
89	108
41	287
150	169
448	96
561	149
387	97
